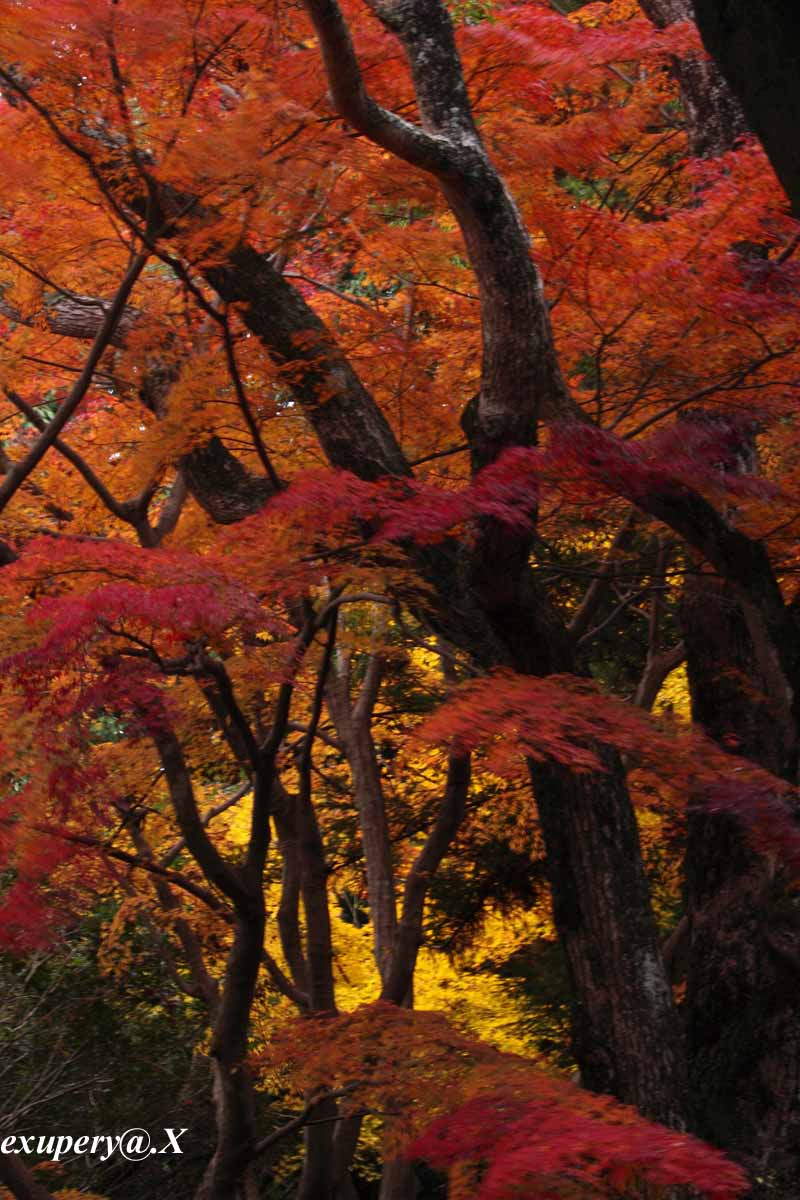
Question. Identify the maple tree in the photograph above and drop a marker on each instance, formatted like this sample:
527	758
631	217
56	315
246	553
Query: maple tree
439	359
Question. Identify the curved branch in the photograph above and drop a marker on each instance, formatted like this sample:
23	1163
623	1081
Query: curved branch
400	137
216	870
301	1119
521	379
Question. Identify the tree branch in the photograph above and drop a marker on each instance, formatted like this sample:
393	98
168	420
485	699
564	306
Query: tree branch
599	585
20	471
118	509
173	506
244	405
400	137
300	1120
218	873
409	931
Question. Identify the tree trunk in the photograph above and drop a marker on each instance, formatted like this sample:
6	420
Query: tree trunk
233	1092
398	1181
22	1183
714	117
353	727
757	48
743	1033
626	1036
743	1026
317	1181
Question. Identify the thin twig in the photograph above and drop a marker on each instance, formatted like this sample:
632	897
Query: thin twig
21	470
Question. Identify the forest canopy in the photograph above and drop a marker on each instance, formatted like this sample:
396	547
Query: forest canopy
399	622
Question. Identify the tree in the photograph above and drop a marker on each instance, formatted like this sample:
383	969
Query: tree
756	53
300	277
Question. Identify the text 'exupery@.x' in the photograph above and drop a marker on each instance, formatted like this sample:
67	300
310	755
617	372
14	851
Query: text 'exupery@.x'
134	1144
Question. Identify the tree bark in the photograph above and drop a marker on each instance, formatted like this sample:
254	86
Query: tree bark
743	1031
625	1031
288	915
353	726
743	1026
351	428
714	116
21	1182
626	1035
757	49
317	1180
398	1181
408	938
233	1088
594	856
243	886
73	316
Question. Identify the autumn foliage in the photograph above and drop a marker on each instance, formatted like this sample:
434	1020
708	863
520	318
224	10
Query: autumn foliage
399	493
498	1126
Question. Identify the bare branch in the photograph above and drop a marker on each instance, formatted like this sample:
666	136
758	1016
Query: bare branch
409	931
596	590
657	668
301	1119
206	818
133	860
217	871
20	471
204	986
120	510
244	405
